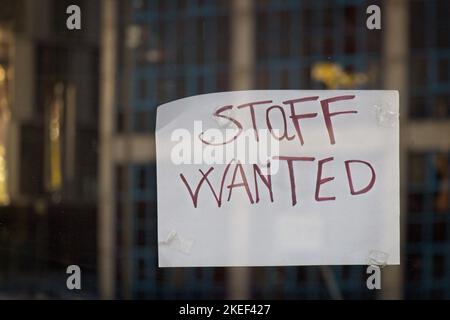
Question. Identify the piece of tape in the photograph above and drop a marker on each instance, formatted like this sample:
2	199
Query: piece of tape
378	258
386	116
175	241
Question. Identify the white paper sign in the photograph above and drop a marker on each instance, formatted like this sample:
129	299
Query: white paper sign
277	178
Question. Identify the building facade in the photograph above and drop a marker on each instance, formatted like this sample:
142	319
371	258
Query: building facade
48	147
167	50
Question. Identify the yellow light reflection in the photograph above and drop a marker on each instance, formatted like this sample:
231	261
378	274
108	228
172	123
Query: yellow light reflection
55	179
4	122
334	77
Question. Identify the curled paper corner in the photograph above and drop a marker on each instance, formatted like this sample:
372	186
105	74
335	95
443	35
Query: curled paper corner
378	258
386	115
175	241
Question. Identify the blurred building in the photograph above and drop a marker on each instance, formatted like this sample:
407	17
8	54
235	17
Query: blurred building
164	50
160	51
55	175
48	147
427	136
